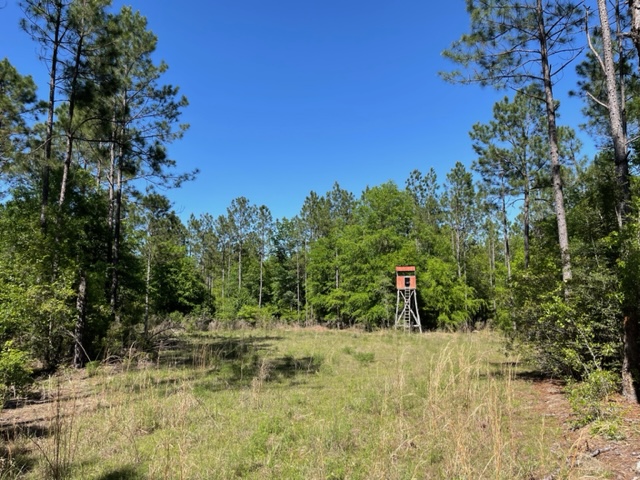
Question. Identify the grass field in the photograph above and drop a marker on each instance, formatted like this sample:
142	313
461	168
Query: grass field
295	404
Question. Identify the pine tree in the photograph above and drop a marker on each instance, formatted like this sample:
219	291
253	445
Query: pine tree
512	43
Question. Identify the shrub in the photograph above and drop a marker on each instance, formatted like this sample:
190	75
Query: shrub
15	372
590	399
575	336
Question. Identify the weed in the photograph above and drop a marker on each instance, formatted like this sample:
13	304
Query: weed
60	452
362	357
92	368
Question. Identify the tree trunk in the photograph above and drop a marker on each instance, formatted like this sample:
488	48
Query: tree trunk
616	118
634	10
556	176
71	110
79	355
525	214
261	278
492	268
298	282
631	357
115	249
111	183
147	289
240	269
631	353
48	142
505	234
457	251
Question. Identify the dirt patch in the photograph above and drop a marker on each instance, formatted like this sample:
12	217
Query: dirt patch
64	395
588	454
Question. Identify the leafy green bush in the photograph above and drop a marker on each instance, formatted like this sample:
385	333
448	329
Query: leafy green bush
589	399
570	337
15	372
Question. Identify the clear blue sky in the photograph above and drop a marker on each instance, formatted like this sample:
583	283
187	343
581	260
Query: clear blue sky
289	96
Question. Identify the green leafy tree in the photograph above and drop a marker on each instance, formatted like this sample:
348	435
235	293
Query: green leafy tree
241	216
459	204
203	248
424	189
287	287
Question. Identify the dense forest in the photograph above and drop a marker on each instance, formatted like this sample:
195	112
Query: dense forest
533	238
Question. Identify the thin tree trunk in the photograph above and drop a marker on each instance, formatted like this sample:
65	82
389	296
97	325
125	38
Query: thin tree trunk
505	235
631	356
147	290
48	143
308	310
261	279
115	250
492	268
616	118
337	271
240	269
70	132
298	282
111	181
79	355
556	176
526	220
458	255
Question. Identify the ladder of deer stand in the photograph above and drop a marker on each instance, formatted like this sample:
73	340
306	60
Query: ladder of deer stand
407	309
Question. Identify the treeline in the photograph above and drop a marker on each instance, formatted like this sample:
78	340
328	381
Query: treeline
73	280
532	238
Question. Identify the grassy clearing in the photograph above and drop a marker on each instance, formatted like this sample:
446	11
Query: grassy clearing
307	404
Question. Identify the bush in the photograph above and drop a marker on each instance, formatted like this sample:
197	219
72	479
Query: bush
248	313
575	336
589	399
15	372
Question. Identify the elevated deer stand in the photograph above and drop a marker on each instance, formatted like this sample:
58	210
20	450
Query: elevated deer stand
407	315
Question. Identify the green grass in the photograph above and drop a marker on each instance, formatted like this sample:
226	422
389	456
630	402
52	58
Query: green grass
305	404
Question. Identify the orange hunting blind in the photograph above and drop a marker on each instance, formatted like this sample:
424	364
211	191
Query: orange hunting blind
406	278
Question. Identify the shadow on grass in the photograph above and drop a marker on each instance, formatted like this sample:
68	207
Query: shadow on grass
24	429
15	462
236	361
123	473
202	351
518	371
289	366
242	373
